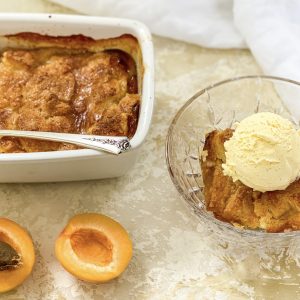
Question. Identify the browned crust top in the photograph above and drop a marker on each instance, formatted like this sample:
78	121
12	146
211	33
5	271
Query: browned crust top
69	84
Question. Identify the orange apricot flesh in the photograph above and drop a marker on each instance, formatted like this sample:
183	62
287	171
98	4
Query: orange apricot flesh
19	240
94	248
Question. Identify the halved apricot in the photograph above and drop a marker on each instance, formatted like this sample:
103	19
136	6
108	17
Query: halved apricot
94	248
17	255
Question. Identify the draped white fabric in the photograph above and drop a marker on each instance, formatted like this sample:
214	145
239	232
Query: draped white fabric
207	23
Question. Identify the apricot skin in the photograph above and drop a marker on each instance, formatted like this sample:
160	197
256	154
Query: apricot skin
18	238
94	248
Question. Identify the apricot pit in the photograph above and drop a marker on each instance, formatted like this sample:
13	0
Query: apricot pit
17	255
94	248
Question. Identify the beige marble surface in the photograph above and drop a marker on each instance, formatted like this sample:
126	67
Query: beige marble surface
172	252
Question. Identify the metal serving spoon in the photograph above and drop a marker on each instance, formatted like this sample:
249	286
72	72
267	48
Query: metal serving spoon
111	144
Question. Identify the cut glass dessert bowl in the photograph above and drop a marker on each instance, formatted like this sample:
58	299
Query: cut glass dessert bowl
219	106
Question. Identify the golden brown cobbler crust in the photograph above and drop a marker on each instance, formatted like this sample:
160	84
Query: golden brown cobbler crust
240	205
68	84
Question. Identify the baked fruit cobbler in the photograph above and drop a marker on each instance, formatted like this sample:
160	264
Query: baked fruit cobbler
234	202
68	84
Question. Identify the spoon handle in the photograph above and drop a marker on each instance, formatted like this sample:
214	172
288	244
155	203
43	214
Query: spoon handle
111	144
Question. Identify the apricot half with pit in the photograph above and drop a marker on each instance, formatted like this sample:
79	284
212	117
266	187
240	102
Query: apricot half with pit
94	248
17	255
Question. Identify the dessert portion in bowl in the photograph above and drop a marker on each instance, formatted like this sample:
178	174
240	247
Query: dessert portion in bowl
251	173
68	84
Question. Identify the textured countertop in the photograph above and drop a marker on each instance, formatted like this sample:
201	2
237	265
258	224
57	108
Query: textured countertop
172	252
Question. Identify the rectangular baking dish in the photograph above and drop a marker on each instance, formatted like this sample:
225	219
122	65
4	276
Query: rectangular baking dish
82	164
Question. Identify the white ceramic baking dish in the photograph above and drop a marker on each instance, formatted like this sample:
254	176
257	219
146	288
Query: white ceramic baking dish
81	164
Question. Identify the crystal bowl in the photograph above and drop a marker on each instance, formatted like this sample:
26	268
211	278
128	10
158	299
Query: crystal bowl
217	107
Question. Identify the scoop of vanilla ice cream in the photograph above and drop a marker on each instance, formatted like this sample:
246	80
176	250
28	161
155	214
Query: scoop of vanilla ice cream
263	152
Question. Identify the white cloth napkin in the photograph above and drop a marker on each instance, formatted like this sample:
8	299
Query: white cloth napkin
206	23
271	29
